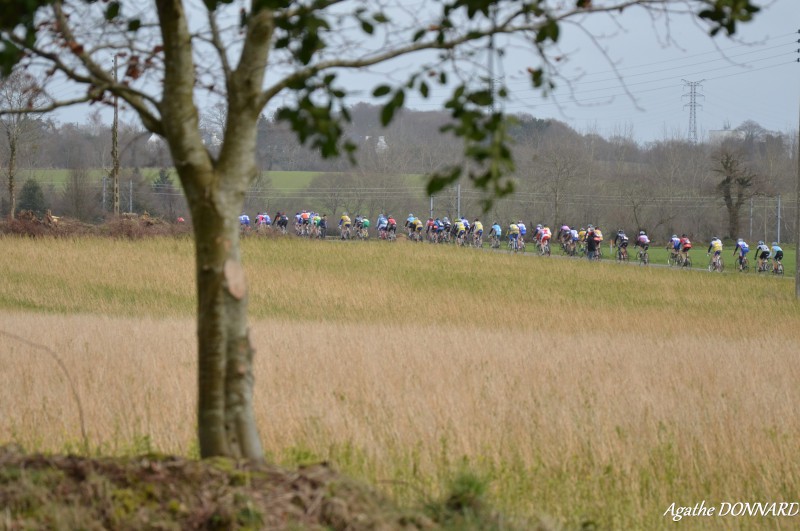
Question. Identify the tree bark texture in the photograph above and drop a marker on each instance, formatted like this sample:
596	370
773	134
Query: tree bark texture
226	424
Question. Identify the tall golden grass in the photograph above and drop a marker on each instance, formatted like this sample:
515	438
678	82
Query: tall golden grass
589	392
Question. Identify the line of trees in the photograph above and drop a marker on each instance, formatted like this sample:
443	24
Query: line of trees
564	176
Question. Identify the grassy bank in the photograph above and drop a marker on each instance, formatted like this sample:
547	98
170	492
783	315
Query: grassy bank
588	392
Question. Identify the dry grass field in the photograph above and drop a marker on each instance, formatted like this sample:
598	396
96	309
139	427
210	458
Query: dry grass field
583	392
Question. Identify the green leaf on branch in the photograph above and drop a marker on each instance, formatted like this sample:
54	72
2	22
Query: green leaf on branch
381	90
389	110
440	180
549	30
112	11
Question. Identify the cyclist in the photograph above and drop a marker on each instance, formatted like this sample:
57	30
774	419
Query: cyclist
438	230
762	254
460	231
642	241
244	222
620	241
564	235
430	229
358	224
344	225
418	225
574	237
365	226
322	226
598	235
523	230
674	245
496	233
544	239
382	225
536	236
686	246
513	235
716	245
282	221
776	255
410	224
477	232
315	219
391	226
741	250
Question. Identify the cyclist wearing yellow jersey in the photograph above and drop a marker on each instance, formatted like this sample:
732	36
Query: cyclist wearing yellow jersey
459	230
513	235
418	226
716	246
344	225
477	232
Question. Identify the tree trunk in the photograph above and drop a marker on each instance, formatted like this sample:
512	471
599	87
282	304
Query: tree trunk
226	422
12	173
733	222
555	211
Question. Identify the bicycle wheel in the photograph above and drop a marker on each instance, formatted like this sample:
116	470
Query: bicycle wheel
779	271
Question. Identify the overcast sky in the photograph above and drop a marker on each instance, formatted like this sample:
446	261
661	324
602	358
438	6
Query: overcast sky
756	77
636	87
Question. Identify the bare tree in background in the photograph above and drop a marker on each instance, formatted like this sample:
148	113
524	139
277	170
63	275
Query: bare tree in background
18	91
738	184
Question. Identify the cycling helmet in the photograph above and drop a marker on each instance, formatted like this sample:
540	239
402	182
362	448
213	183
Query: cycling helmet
539	226
714	238
760	242
739	240
620	231
774	243
674	235
641	233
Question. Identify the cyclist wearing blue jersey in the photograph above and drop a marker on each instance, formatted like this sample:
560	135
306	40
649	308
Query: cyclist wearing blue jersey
741	251
495	233
776	255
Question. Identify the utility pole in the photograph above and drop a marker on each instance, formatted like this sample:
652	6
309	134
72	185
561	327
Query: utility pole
115	147
797	213
692	95
778	229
